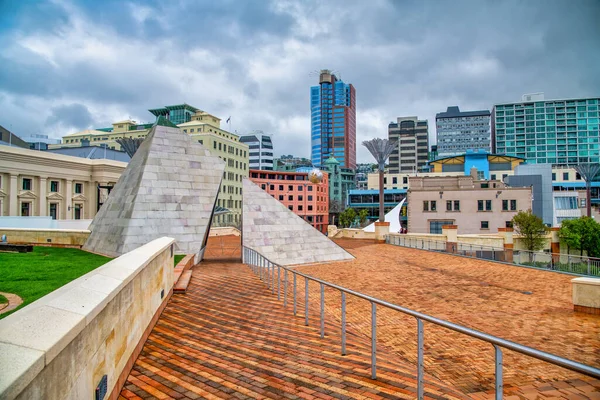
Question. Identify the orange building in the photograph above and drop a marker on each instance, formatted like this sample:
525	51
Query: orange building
308	200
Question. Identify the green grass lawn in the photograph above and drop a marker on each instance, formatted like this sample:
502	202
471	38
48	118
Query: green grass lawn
3	300
33	275
178	257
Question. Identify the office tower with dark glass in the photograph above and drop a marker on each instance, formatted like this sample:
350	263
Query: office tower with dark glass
558	132
459	131
411	153
260	150
333	121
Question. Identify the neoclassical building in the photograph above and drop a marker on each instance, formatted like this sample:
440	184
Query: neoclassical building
37	183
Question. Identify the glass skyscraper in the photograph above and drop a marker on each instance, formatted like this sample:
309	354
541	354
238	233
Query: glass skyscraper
333	121
559	132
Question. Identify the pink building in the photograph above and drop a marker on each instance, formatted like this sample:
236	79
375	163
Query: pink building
308	200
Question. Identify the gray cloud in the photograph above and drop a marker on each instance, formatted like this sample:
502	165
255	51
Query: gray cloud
252	60
72	115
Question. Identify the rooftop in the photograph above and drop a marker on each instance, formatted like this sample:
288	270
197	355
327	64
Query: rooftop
454	112
243	342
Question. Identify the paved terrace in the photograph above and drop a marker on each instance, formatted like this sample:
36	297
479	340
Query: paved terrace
229	337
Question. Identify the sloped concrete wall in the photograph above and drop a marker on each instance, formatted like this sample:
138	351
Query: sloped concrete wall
60	346
280	235
169	188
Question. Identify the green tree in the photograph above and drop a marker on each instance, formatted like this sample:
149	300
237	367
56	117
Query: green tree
531	228
362	215
347	217
581	234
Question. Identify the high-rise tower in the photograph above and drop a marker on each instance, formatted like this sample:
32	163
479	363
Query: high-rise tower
333	121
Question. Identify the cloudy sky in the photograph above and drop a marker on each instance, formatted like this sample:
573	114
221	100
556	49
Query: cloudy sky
71	65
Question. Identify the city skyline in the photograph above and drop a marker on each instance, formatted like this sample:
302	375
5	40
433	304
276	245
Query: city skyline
68	66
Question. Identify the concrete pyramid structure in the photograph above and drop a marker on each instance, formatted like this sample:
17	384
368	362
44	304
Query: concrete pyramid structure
269	228
169	188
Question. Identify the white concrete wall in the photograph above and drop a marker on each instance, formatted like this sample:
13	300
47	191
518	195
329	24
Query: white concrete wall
60	346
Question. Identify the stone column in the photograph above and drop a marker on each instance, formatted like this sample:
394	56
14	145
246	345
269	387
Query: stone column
507	234
381	229
69	199
451	232
12	201
43	202
555	245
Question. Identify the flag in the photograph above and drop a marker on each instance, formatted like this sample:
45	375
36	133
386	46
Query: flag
228	119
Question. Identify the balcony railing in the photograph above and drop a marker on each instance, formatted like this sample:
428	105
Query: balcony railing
277	279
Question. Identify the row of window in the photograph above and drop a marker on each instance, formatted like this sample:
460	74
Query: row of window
54	185
482	205
27	210
230	149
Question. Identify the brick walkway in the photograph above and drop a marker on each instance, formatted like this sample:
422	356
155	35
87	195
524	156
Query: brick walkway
523	305
229	337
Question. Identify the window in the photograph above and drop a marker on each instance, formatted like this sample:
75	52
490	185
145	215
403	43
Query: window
272	187
508	224
300	198
290	187
291	198
493	177
484	205
310	208
554	176
263	186
513	205
426	205
310	198
405	180
26	184
79	188
280	187
291	207
456	205
299	208
219	146
565	203
448	205
25	209
310	188
565	176
394	180
504	205
485	225
78	211
436	226
280	197
54	186
582	203
53	210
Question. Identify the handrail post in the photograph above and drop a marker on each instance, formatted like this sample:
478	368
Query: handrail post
306	301
499	380
373	340
272	276
343	323
420	338
589	269
294	293
285	285
322	311
278	282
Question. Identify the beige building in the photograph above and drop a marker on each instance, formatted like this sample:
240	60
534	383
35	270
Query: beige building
37	183
475	206
199	124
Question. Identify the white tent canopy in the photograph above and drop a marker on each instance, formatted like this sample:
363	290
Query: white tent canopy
393	217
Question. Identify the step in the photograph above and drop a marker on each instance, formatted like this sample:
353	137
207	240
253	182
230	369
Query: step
183	282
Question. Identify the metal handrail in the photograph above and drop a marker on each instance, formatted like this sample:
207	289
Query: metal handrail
266	271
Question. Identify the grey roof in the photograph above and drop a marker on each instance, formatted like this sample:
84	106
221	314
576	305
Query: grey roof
454	111
92	152
248	138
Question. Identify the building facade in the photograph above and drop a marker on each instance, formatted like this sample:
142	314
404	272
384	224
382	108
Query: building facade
368	199
205	128
38	183
177	114
261	150
459	131
308	200
558	132
412	150
475	206
333	121
341	181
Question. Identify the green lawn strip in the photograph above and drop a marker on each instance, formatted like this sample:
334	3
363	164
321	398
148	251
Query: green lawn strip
34	275
178	257
3	300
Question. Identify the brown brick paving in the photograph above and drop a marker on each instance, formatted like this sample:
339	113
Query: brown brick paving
523	305
229	337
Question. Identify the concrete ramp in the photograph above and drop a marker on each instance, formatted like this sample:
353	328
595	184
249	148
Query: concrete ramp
280	235
169	189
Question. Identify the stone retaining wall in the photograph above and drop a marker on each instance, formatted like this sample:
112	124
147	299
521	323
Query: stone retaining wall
46	237
62	345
